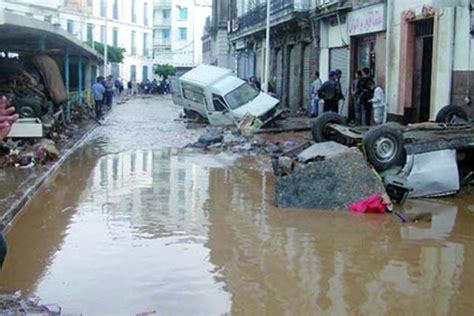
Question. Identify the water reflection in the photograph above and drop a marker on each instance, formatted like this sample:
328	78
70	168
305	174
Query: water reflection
193	234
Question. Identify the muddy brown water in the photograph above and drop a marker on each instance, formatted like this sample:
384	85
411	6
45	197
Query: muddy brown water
121	230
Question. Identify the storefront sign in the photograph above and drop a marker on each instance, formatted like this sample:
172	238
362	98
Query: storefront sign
366	20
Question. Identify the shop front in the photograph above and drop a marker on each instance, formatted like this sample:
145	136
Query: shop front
366	28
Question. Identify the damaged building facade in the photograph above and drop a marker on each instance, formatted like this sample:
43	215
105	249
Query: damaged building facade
293	51
419	51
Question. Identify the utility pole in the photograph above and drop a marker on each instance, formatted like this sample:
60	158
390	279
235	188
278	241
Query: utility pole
267	51
106	48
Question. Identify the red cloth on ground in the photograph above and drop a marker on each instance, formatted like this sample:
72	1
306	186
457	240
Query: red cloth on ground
373	204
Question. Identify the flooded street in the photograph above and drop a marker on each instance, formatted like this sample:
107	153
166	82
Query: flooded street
131	224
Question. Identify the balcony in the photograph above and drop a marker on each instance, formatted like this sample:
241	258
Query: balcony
160	23
162	42
281	11
162	4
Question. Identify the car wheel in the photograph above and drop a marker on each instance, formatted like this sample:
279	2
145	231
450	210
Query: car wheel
384	147
29	107
321	132
450	112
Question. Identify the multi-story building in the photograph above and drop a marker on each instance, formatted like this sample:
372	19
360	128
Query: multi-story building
215	42
177	31
121	23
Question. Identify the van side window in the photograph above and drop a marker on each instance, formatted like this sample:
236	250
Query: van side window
219	103
194	94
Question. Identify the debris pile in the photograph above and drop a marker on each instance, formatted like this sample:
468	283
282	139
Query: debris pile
328	182
13	304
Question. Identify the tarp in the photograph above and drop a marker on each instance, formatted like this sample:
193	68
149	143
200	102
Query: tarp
52	78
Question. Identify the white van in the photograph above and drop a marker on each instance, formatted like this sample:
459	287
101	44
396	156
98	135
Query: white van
217	95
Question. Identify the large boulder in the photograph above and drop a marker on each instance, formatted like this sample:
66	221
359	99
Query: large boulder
329	184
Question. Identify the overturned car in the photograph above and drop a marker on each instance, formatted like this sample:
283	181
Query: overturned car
419	160
217	96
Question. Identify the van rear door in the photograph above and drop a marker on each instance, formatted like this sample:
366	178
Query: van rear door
176	91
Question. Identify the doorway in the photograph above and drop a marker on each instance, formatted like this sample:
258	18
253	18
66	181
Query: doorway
422	71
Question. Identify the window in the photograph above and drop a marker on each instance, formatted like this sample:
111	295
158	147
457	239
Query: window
145	72
145	14
183	13
103	34
103	8
134	11
115	10
133	73
240	96
183	33
48	18
166	34
219	103
70	26
134	43
90	33
145	44
115	37
166	14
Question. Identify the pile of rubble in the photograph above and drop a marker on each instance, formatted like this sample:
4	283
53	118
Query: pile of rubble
13	304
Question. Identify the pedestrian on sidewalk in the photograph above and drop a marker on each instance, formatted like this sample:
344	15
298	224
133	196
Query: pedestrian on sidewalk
109	91
315	86
7	118
378	103
98	91
329	92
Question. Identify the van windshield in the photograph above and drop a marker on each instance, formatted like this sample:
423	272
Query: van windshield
240	96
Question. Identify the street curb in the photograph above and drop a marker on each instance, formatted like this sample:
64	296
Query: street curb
14	209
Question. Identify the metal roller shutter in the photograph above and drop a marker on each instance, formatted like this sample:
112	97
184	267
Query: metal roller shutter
339	59
293	81
307	76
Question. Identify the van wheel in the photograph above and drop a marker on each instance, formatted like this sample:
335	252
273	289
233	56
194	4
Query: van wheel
450	112
321	132
384	147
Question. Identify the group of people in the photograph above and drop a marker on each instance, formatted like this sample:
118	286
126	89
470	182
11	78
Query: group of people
148	87
103	92
368	97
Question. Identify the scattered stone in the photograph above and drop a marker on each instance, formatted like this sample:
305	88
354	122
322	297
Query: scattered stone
330	184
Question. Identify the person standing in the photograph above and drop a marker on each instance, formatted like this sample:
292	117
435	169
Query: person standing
340	95
378	103
365	95
109	91
99	95
329	92
315	86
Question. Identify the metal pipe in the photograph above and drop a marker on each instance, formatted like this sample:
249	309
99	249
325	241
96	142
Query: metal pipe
106	48
267	50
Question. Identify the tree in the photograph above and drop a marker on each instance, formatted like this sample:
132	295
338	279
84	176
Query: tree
165	71
114	54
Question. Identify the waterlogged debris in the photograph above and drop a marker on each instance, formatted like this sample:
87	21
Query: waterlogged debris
330	184
13	304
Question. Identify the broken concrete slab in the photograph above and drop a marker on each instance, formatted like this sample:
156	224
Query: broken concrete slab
330	184
321	151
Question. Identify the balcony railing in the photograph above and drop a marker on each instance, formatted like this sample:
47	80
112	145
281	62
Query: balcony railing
258	14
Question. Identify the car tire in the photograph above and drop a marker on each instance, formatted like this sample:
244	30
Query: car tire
446	114
319	127
384	146
29	107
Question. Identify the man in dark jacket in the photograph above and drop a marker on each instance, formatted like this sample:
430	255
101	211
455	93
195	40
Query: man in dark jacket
331	94
365	93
